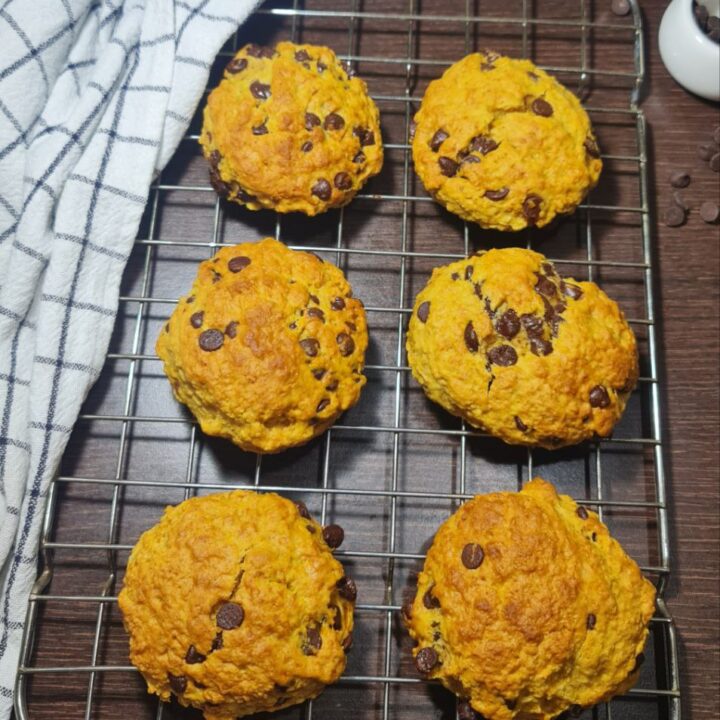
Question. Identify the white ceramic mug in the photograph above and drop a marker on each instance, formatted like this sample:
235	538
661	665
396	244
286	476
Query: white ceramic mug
690	56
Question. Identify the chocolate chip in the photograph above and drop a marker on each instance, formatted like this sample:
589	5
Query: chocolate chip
366	137
483	144
321	67
709	212
496	195
333	536
343	181
591	620
293	326
593	537
545	286
520	425
316	313
502	355
192	656
359	158
599	397
423	311
312	297
220	187
196	319
337	620
311	120
680	201
346	588
259	90
260	129
470	159
337	304
190	300
313	642
706	150
469	272
540	347
715	162
347	642
679	178
322	189
582	513
311	346
211	340
322	405
591	147
259	51
319	373
345	343
572	291
426	660
302	509
217	642
620	7
306	146
236	65
302	56
217	277
472	556
510	704
229	616
231	329
430	601
333	386
542	107
334	122
674	216
448	166
178	683
533	325
238	263
437	140
466	712
531	208
471	338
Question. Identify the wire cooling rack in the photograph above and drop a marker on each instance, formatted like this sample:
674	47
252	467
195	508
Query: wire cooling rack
395	466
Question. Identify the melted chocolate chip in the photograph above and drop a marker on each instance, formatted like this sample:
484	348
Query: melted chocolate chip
313	642
437	140
229	616
366	137
337	620
337	304
343	181
302	509
236	65
334	122
520	425
231	329
496	195
591	147
322	189
359	158
259	90
472	556
545	286
319	373
483	144
259	51
430	601
510	704
591	621
423	311
572	291
311	120
509	324
322	405
471	338
302	56
192	656
470	159
196	319
531	208
211	340
316	313
178	683
347	588
217	642
238	263
542	107
426	660
540	347
582	513
599	397
448	166
332	386
260	129
533	325
333	536
306	146
469	272
311	346
345	343
502	355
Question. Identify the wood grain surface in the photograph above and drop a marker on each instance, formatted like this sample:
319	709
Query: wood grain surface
687	280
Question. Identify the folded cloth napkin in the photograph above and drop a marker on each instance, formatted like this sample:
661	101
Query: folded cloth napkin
95	96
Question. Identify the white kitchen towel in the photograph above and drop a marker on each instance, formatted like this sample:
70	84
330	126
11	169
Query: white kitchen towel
95	96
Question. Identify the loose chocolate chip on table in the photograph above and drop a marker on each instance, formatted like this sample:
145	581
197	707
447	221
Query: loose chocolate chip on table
466	712
238	263
311	120
311	346
178	683
259	90
423	311
302	56
540	347
520	425
347	588
509	324
322	189
231	329
192	656
319	373
342	181
314	640
572	291
345	343
426	660
599	397
359	158
196	319
472	556
217	642
715	162
333	536
260	129
306	146
337	304
430	601
533	325
236	65
710	211
229	616
211	340
620	7
706	150
366	137
502	355
259	51
679	178
582	513
496	195
679	200
448	166
322	405
591	621
674	216
531	208
482	144
591	147
334	122
471	338
316	313
541	107
438	139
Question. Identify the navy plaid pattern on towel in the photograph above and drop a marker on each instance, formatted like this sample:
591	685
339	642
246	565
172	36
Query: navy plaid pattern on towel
95	96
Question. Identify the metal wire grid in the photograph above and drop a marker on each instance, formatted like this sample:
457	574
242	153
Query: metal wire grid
664	630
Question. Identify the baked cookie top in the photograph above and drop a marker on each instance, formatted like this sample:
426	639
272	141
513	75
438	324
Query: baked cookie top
234	604
526	607
288	129
268	347
503	341
501	143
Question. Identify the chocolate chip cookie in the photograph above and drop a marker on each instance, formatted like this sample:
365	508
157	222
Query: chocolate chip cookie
502	340
501	143
235	605
527	608
268	347
288	129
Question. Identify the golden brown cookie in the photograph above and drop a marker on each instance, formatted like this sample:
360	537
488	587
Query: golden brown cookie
235	605
501	143
288	129
503	341
268	348
526	607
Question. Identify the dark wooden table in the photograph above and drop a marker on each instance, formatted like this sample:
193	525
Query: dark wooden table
687	280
